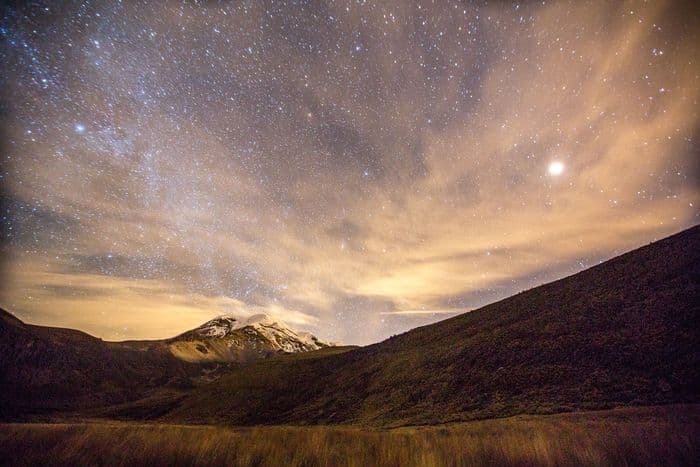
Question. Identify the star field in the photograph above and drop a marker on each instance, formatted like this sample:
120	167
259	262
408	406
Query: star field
354	168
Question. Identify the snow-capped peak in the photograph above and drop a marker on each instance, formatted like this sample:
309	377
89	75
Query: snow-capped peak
219	326
279	334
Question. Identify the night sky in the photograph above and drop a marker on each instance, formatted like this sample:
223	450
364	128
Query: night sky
356	169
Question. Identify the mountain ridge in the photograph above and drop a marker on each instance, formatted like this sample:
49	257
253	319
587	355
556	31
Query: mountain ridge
623	332
229	338
47	369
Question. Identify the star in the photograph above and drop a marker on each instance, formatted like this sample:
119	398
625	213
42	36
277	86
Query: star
186	156
555	168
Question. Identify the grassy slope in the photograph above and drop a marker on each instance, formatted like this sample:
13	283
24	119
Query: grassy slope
50	372
622	333
640	436
45	369
253	377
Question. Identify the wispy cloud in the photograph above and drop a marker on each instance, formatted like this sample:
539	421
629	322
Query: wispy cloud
405	179
425	312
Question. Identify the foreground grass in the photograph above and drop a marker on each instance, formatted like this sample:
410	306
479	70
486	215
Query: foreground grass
640	436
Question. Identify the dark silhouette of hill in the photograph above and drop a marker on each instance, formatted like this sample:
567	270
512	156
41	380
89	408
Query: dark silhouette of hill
624	332
46	369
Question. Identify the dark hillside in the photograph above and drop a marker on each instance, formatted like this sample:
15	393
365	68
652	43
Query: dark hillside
622	333
44	369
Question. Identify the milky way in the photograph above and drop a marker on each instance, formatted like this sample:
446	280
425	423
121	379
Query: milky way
353	168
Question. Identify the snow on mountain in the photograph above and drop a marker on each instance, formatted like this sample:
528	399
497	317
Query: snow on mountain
233	338
219	326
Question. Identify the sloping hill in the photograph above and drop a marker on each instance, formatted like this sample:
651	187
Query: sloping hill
45	369
622	333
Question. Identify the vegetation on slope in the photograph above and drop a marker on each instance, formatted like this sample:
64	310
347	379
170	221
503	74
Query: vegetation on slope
622	333
46	369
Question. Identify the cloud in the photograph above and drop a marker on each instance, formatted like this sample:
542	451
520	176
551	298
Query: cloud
344	174
118	308
452	311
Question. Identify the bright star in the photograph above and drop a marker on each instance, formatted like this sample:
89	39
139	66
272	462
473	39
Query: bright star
555	168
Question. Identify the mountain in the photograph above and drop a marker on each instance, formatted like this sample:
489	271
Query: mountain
624	332
46	369
233	339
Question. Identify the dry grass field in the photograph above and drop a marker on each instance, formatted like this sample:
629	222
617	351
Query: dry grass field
635	436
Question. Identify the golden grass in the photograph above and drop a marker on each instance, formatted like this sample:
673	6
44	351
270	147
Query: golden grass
640	436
